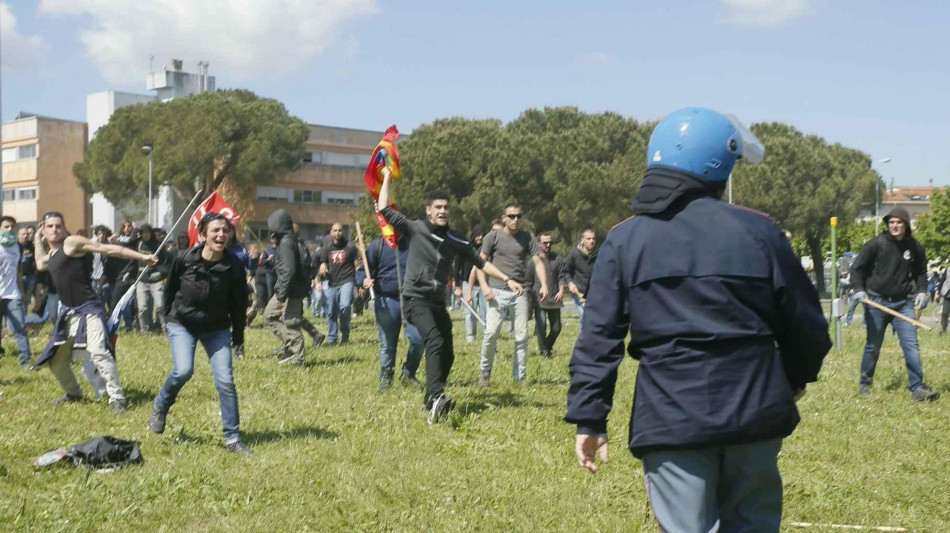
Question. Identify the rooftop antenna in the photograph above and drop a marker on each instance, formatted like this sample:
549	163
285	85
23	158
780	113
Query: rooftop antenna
151	61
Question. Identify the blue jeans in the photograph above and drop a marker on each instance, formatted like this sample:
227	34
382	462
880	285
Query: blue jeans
50	312
16	317
852	304
318	303
478	303
218	346
579	306
876	322
340	300
389	321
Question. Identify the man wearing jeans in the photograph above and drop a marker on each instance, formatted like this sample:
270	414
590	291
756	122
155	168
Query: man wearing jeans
386	284
578	266
509	249
463	289
11	288
890	268
338	269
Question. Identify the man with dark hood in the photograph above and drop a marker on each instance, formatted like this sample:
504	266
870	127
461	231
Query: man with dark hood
726	326
892	271
284	311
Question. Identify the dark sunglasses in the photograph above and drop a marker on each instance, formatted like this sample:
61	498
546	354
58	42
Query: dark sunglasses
514	216
546	244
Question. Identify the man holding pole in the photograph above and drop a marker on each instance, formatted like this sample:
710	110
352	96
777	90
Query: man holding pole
338	269
890	268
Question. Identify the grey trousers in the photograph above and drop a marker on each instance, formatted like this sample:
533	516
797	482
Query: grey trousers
96	350
734	488
285	323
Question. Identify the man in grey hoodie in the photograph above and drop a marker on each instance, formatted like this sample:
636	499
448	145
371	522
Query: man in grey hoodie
284	311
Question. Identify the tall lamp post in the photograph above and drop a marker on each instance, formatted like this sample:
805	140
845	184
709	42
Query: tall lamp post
877	198
148	151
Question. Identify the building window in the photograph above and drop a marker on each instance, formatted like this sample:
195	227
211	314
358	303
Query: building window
306	196
26	193
19	152
9	195
340	198
273	194
308	157
339	159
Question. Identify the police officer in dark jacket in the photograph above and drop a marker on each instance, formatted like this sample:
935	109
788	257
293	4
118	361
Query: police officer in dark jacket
726	326
890	268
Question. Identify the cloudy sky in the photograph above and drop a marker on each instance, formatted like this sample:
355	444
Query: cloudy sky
872	75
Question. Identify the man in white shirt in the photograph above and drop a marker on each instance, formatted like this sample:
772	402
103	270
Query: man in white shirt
11	288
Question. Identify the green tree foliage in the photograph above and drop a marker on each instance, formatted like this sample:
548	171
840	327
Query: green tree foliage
567	169
220	135
802	182
933	229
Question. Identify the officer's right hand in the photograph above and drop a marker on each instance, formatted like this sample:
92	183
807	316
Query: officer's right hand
586	447
860	296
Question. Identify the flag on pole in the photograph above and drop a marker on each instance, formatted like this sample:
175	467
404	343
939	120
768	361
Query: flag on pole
384	156
214	203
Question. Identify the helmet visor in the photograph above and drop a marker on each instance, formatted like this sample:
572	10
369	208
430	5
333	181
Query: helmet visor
749	147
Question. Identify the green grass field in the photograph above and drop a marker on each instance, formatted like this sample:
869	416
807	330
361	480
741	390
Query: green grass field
332	454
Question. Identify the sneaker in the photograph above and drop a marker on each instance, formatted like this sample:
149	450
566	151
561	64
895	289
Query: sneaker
412	382
119	407
238	447
280	352
546	353
384	384
292	360
318	339
865	389
440	409
924	394
239	351
66	398
469	340
156	421
484	380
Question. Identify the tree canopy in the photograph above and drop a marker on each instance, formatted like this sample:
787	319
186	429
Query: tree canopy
933	229
230	134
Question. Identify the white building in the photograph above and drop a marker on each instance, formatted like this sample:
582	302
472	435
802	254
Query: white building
167	85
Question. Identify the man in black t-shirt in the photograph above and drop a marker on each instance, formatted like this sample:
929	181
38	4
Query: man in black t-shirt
338	269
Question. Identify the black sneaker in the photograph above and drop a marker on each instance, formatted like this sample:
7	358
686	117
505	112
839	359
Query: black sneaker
239	351
384	384
156	421
238	448
66	398
440	409
318	339
412	382
864	389
291	360
924	394
119	407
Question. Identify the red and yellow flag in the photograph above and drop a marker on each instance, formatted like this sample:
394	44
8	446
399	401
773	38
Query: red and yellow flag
384	156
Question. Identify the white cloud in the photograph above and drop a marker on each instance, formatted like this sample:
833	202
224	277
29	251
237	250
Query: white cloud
19	52
765	12
598	59
241	39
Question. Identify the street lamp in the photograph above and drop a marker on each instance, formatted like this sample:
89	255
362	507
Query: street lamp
877	198
148	151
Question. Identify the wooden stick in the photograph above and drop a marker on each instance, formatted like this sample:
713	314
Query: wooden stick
894	313
359	237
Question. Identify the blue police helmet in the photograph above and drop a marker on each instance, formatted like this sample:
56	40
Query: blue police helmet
703	143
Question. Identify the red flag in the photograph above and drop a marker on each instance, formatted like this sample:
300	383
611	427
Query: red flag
213	203
384	156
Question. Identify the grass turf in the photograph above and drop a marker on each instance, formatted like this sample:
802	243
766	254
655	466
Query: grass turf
332	454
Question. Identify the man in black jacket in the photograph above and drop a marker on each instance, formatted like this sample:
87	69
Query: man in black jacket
726	326
578	265
432	248
890	268
284	311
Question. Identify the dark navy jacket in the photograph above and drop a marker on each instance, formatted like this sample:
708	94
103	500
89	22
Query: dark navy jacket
721	316
381	260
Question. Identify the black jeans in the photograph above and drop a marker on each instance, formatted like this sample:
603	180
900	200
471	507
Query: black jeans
944	313
543	318
435	327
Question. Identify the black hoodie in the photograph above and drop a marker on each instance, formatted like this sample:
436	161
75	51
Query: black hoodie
292	280
890	268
